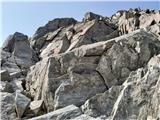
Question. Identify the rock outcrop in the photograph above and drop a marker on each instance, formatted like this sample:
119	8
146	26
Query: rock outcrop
16	53
102	68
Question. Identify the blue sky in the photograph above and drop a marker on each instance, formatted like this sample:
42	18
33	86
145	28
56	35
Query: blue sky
26	17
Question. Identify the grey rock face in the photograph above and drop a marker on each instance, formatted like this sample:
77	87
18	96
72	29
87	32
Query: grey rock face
5	75
126	56
17	53
56	47
50	74
90	64
68	112
129	21
22	102
38	107
7	106
38	38
91	16
90	32
68	38
139	94
102	104
6	87
85	82
84	117
40	80
12	39
135	99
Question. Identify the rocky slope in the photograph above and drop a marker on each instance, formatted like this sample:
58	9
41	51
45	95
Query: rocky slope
102	68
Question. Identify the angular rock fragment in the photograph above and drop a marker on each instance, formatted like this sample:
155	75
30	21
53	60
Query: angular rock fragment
38	107
56	47
7	106
21	55
21	103
140	93
102	104
68	112
40	79
38	39
90	32
18	84
5	75
127	54
6	87
84	117
84	83
91	16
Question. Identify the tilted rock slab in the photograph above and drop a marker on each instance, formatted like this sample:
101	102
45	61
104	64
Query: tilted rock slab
68	112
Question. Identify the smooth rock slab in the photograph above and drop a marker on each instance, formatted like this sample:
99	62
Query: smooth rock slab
68	112
22	103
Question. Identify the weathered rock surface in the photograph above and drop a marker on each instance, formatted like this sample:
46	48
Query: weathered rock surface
39	37
38	107
5	75
139	98
102	104
84	117
84	83
45	83
84	70
6	87
17	53
129	21
21	104
68	112
7	106
91	16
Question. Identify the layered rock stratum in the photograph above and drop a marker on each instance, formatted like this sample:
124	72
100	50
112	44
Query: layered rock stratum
102	68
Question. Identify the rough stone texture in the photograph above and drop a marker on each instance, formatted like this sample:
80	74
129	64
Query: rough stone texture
90	32
102	104
83	117
7	106
90	64
38	107
155	29
18	84
68	112
91	16
21	103
5	75
6	87
129	21
17	53
56	47
126	56
39	37
45	77
41	77
140	93
85	82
